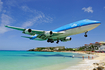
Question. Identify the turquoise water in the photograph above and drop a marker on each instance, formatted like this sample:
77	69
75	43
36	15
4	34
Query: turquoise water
25	60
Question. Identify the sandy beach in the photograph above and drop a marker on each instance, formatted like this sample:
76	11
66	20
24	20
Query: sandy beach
97	62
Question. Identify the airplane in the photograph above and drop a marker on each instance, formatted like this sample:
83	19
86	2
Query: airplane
60	34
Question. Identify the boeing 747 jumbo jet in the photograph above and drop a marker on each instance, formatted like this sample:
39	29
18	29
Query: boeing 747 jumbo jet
60	34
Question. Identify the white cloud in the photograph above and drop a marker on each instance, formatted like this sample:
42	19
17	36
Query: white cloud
25	8
37	17
1	3
11	3
31	21
5	20
89	9
16	3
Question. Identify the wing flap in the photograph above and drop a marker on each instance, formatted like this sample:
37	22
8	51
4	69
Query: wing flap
38	31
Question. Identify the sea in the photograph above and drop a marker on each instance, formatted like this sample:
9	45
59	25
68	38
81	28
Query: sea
30	60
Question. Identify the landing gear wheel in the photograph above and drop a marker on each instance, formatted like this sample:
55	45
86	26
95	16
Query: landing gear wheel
85	35
52	41
57	41
47	40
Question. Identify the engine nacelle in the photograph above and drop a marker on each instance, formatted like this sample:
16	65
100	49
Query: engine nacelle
67	39
27	31
48	33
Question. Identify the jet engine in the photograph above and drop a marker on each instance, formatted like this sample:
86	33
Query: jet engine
27	31
48	33
67	39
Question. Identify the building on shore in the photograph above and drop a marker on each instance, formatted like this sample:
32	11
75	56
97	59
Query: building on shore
92	46
102	47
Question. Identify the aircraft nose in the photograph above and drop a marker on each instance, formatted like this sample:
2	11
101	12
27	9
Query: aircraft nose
98	22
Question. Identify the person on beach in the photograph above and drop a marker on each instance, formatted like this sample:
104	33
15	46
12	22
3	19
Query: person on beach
73	56
92	57
83	57
88	57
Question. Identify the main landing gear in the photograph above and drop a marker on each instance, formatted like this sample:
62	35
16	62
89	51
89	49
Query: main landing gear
85	34
57	41
51	41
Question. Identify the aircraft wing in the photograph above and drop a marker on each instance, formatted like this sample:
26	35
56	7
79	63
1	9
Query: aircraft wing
17	28
33	32
23	29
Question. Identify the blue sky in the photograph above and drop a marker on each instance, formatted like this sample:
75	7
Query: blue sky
48	15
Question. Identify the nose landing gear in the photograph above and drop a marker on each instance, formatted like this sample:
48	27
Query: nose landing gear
85	34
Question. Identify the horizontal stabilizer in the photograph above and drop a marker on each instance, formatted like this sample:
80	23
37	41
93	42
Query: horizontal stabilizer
26	37
39	39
